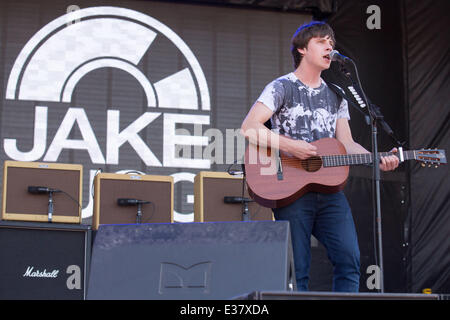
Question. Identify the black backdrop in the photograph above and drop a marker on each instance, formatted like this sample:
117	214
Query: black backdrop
404	69
427	58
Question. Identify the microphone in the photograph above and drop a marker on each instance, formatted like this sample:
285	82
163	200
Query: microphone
41	190
336	56
236	173
236	200
130	202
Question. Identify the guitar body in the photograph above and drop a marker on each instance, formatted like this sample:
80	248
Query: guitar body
274	188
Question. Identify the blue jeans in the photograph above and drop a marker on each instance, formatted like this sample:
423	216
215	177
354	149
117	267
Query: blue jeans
328	217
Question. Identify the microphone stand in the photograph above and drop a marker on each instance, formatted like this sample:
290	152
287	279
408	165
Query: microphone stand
246	212
139	213
375	117
376	190
50	206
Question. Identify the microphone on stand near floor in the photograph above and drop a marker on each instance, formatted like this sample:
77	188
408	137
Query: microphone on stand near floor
130	202
240	200
229	199
133	202
45	190
41	190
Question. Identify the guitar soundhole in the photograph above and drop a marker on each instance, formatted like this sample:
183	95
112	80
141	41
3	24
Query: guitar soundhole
311	164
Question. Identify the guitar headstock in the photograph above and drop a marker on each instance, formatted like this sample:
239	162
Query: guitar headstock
431	157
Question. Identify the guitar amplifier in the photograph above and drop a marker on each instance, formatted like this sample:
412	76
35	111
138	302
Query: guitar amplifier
154	192
20	203
210	190
44	261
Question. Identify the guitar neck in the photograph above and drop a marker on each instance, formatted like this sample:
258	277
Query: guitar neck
363	158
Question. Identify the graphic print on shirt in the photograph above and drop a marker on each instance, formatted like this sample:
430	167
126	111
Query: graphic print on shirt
301	112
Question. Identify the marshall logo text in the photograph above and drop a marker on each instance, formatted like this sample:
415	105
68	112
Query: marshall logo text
40	274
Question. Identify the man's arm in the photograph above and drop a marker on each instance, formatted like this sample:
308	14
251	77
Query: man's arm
344	135
256	132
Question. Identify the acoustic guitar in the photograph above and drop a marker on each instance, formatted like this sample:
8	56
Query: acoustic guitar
276	179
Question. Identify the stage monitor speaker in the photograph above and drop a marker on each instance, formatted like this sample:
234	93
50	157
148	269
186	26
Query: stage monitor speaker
192	261
22	205
319	295
156	190
210	189
41	261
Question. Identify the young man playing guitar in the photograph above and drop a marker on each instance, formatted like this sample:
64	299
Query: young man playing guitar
303	109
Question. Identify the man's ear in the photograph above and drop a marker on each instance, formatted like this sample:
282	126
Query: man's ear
301	51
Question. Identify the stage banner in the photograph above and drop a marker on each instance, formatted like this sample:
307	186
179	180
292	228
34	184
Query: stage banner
147	86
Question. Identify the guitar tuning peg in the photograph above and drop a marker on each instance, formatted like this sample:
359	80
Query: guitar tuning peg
436	165
422	164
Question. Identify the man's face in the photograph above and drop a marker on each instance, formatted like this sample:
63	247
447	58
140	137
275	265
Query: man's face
317	51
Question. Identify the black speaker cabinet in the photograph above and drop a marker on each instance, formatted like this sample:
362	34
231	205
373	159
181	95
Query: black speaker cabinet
193	261
210	189
109	187
21	205
40	261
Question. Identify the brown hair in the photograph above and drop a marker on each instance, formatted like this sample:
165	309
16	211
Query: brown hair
305	33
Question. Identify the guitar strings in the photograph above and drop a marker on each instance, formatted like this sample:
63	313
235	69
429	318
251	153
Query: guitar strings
336	160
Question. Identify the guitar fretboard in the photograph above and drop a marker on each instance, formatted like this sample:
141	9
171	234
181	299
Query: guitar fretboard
363	158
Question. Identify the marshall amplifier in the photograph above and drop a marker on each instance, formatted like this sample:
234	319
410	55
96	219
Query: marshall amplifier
40	261
218	197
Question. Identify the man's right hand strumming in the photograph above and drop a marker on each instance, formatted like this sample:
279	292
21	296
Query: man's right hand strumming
302	149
